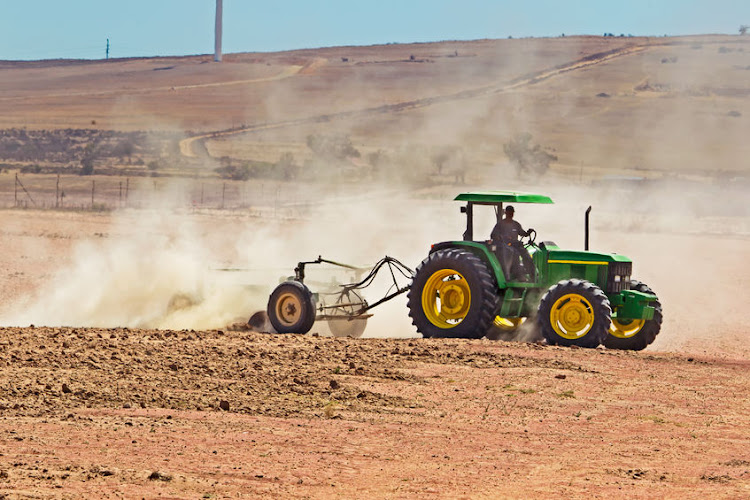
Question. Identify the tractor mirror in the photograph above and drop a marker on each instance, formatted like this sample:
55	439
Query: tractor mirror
463	209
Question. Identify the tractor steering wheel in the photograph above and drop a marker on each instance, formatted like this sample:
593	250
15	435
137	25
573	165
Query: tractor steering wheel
531	238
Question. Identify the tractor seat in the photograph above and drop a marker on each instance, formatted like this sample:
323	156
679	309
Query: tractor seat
547	245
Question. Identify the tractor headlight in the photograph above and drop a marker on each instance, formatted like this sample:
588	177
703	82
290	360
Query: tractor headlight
617	278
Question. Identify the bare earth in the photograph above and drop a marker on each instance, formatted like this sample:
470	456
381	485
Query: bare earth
136	413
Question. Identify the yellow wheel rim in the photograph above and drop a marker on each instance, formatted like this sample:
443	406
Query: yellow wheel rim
288	309
626	328
446	298
572	316
508	324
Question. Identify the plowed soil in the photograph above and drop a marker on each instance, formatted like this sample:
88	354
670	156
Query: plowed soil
223	414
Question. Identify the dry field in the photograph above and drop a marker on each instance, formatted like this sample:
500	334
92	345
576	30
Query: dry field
117	393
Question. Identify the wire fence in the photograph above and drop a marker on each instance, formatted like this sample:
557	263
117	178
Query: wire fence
106	193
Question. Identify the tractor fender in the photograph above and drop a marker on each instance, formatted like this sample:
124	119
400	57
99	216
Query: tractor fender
480	250
632	304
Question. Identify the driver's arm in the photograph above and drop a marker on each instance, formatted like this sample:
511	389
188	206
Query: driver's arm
496	233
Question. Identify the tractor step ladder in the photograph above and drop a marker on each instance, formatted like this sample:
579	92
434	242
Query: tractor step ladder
512	302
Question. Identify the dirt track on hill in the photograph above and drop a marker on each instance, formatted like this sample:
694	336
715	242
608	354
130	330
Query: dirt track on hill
186	145
110	413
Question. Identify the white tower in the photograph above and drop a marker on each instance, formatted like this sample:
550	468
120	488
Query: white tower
217	43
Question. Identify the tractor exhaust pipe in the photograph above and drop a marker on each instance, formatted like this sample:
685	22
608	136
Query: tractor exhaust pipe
586	230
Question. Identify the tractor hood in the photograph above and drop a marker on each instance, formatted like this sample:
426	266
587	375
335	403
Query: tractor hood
582	257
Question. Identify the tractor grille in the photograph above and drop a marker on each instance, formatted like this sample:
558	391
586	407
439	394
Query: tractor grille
618	276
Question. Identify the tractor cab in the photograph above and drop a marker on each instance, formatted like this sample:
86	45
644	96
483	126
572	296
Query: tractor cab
494	199
508	253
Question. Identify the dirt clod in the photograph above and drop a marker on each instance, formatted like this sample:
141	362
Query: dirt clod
158	476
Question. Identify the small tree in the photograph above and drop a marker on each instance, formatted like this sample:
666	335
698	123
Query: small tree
337	146
450	160
743	29
285	167
124	148
87	166
528	158
87	162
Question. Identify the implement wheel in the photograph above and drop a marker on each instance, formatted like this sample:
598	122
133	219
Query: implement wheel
453	295
575	312
291	309
345	322
343	327
635	334
504	328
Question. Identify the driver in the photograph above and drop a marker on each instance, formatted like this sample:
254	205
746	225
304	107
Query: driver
506	232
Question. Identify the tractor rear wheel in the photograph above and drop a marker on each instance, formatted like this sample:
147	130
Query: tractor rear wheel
291	309
453	295
575	312
636	334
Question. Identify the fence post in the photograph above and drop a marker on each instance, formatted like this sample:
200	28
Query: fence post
19	183
57	192
223	194
15	191
93	187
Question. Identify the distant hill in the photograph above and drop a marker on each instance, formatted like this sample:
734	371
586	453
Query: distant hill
597	103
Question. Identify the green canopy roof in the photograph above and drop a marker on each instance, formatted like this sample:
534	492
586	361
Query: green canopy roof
492	197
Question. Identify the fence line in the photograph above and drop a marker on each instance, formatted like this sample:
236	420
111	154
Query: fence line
111	193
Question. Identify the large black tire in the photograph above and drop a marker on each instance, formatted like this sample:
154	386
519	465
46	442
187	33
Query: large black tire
644	336
575	312
461	314
291	308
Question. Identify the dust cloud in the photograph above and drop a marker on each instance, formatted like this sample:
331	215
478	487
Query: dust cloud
167	267
149	273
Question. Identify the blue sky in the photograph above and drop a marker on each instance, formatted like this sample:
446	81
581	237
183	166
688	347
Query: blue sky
42	29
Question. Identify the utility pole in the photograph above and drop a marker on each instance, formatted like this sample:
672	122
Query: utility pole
108	48
217	41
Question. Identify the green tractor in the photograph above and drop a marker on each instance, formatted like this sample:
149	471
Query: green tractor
471	289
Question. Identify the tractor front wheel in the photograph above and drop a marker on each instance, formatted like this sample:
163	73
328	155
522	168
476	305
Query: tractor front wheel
291	308
575	312
636	334
453	295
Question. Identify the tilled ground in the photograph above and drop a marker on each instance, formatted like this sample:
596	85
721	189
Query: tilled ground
214	414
